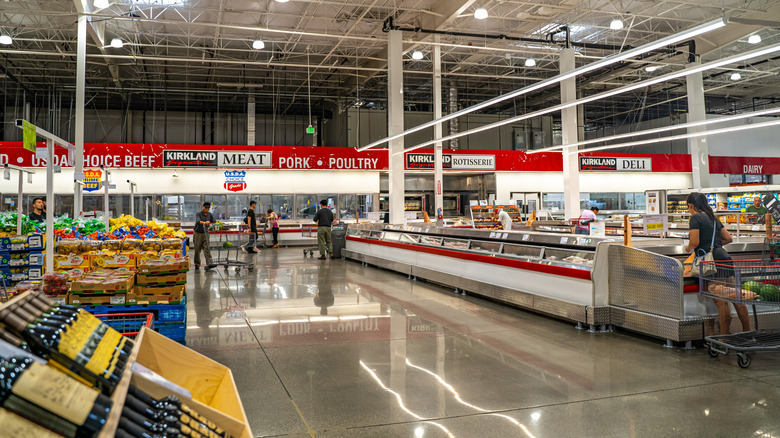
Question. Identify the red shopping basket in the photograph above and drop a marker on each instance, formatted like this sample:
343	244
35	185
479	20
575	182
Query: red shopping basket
128	324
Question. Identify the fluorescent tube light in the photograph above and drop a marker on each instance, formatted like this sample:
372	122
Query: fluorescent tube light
609	60
680	137
639	85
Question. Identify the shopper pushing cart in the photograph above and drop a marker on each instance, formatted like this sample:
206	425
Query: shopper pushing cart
324	219
200	237
251	220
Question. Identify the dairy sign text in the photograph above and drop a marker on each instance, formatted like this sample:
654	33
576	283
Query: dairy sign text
616	164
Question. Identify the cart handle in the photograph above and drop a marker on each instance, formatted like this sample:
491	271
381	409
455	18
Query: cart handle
149	316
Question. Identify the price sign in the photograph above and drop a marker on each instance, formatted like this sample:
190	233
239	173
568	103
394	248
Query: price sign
655	223
29	136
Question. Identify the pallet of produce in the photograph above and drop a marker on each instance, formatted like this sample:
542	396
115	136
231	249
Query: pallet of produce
30	242
104	281
24	258
161	280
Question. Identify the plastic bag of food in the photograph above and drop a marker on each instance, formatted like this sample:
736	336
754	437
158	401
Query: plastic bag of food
132	244
68	246
152	245
91	246
112	245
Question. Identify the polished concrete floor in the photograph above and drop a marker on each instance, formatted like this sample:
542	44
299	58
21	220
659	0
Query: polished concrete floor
335	349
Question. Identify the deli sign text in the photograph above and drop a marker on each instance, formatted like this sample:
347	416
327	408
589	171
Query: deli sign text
217	159
616	164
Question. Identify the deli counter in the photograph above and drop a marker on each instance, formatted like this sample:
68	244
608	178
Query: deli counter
593	281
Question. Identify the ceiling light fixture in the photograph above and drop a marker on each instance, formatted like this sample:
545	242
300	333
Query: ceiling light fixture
636	86
101	4
418	55
651	68
754	39
682	136
736	76
5	39
609	60
530	62
258	45
117	43
667	128
616	24
481	13
281	1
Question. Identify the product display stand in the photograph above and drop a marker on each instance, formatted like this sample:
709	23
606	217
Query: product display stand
19	199
161	367
51	141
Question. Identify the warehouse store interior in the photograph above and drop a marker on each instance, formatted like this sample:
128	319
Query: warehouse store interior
411	218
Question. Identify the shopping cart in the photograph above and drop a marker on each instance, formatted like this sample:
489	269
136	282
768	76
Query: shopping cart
309	232
128	324
771	251
227	245
749	282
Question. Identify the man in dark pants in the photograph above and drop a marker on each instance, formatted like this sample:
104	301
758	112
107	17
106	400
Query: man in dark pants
324	219
251	220
200	237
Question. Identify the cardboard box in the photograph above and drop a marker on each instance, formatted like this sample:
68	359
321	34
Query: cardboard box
20	259
160	280
95	300
160	290
121	260
75	273
22	243
99	282
174	297
164	267
71	261
26	273
58	299
165	255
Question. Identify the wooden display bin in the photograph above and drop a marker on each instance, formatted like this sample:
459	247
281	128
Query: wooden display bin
214	393
210	382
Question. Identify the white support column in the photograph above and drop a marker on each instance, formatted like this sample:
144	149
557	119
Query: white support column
395	124
50	201
571	169
438	175
250	121
19	200
81	63
700	154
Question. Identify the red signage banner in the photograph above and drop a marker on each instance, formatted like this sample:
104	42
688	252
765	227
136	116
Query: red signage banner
152	156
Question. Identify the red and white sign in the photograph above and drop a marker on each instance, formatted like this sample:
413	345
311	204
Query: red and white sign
150	156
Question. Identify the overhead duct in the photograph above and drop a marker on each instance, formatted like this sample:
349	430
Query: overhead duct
452	106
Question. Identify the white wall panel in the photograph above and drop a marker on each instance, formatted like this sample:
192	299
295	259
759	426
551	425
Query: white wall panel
193	182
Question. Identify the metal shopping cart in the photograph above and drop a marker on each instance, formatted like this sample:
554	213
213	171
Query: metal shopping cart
227	245
308	232
749	282
128	324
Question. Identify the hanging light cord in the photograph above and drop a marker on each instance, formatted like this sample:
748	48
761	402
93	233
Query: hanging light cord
308	81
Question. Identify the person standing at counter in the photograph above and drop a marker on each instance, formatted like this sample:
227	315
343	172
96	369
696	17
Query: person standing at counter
200	236
273	220
702	225
504	219
324	219
586	217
